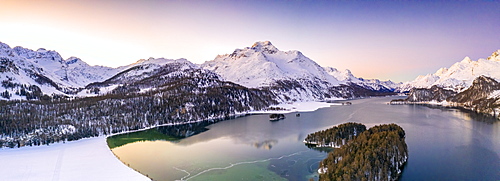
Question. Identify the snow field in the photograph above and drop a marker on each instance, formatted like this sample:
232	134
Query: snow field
86	159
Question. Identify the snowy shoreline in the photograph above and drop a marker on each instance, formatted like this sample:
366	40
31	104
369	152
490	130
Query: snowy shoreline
85	159
445	104
91	158
297	107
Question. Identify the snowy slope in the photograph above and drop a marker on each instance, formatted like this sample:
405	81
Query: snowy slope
460	75
45	71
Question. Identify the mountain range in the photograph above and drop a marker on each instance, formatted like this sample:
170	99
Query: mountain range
459	76
290	75
287	75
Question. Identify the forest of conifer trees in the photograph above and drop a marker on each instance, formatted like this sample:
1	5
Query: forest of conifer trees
378	153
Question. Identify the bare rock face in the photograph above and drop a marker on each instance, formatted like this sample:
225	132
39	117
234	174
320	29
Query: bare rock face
483	96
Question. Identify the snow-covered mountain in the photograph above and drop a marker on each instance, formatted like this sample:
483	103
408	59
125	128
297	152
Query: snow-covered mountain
289	74
263	64
460	75
25	73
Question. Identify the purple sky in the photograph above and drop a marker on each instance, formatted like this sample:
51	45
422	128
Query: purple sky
374	39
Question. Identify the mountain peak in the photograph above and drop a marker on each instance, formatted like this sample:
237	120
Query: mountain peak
72	60
159	62
495	56
41	50
264	46
4	46
262	43
466	60
483	80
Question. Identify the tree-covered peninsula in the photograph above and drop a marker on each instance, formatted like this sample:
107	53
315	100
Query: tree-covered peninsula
378	153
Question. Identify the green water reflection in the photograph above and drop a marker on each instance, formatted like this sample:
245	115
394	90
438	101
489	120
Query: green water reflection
443	145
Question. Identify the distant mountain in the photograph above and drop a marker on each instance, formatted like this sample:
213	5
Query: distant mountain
28	74
460	75
290	75
346	77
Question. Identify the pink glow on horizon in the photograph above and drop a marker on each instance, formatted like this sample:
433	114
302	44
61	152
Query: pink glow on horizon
396	41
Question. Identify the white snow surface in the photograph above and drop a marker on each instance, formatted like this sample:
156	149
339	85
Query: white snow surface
460	75
86	159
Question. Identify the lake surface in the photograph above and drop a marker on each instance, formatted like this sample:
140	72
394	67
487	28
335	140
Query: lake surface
443	144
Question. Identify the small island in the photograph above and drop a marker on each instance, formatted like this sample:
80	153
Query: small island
276	117
378	153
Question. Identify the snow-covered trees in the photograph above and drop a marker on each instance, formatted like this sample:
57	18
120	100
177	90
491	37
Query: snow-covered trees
179	101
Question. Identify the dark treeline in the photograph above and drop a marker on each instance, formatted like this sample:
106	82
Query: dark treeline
335	136
180	99
376	154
